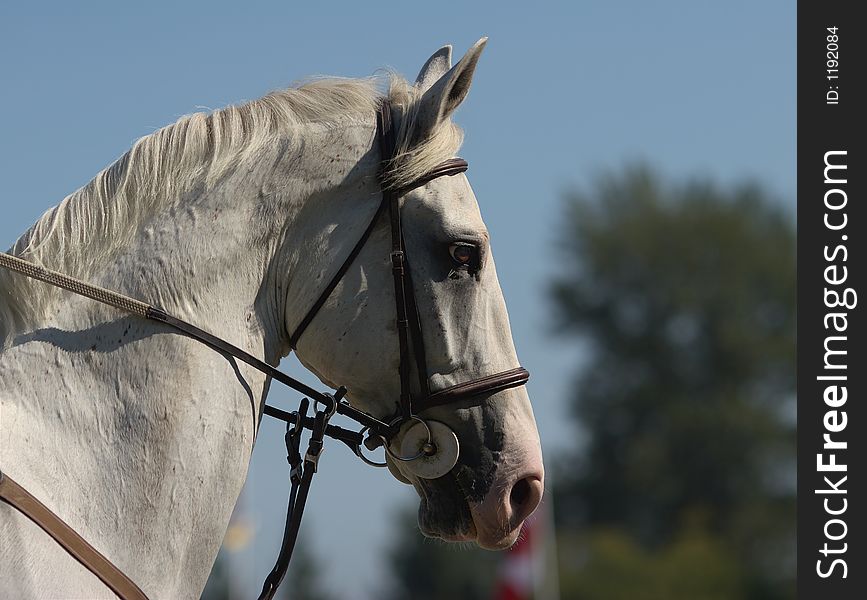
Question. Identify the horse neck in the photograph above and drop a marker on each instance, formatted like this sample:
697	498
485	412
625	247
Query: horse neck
152	432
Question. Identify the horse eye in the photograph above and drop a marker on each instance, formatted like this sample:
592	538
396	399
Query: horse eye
465	255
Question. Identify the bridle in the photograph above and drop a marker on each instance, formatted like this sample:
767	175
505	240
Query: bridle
411	346
408	322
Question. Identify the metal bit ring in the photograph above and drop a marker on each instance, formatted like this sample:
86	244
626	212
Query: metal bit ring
420	452
367	461
360	453
385	444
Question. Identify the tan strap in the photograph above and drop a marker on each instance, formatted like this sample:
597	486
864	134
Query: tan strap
20	499
94	292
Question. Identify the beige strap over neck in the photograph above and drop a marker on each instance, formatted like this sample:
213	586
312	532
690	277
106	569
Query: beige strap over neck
17	497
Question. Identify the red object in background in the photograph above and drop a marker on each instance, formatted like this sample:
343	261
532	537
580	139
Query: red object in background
516	578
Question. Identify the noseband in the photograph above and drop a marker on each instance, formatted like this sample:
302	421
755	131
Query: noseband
409	406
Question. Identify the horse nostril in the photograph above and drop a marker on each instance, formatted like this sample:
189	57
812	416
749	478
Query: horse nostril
520	493
525	496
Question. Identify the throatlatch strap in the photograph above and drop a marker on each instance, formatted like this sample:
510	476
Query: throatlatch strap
326	293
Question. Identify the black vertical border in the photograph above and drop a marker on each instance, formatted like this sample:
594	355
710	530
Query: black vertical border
824	127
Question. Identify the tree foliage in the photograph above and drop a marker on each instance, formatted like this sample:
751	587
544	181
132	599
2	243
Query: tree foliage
425	569
684	298
684	295
303	580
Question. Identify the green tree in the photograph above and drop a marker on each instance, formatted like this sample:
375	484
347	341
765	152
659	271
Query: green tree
685	298
425	569
303	579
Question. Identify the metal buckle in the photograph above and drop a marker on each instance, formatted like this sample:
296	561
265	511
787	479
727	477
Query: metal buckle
313	459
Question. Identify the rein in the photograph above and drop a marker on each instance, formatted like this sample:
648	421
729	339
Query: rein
325	404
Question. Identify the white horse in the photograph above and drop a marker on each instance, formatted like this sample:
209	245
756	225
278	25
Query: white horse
140	438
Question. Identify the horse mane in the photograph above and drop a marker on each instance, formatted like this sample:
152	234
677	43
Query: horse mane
200	149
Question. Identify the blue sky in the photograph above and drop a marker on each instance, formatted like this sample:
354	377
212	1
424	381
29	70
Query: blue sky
562	92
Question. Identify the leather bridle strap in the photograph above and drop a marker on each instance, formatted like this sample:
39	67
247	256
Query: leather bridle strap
20	499
408	322
418	350
477	387
407	318
326	293
155	313
300	476
398	260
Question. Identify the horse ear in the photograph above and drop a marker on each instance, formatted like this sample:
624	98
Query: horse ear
435	67
446	93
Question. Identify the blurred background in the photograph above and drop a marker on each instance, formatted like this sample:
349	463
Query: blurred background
635	163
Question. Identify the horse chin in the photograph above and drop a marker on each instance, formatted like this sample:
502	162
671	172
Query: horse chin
444	512
449	506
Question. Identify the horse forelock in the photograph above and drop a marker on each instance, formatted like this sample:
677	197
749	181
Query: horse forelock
90	224
416	155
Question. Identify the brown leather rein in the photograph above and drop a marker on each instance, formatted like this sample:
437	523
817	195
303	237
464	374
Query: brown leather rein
409	406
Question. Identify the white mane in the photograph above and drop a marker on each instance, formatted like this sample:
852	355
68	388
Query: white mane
90	224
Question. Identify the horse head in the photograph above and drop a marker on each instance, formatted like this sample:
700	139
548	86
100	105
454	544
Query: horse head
463	335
